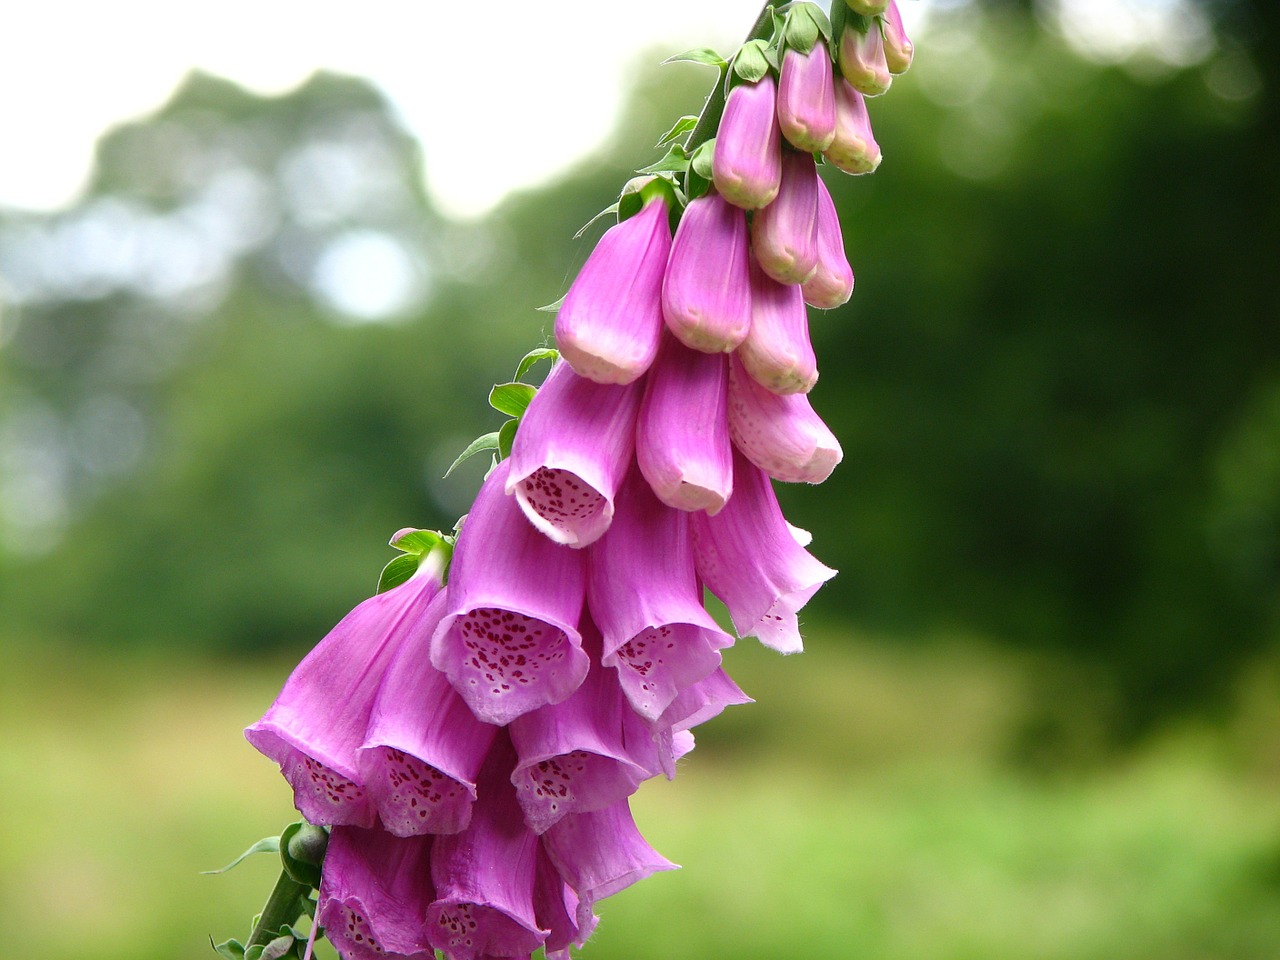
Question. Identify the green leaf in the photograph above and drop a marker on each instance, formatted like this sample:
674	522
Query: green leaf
675	161
231	949
555	307
702	158
281	946
265	845
506	437
479	445
695	184
302	847
611	208
751	63
682	126
398	571
418	542
701	55
511	398
534	356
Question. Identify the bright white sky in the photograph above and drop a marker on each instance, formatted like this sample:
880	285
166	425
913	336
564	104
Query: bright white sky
474	90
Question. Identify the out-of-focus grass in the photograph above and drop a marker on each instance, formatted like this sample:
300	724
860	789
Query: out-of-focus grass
863	808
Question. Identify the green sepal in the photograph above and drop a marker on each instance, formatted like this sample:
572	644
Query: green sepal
675	161
702	159
534	356
302	847
416	545
506	437
265	845
417	542
479	445
511	398
230	949
700	55
397	571
752	61
802	29
682	126
857	21
555	306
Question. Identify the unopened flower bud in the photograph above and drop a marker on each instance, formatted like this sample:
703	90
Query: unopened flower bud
868	8
777	352
806	99
608	326
780	434
898	49
862	60
747	163
854	149
832	283
783	233
706	294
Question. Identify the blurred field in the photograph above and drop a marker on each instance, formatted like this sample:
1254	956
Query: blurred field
865	806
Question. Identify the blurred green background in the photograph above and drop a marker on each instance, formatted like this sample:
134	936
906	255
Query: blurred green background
1038	715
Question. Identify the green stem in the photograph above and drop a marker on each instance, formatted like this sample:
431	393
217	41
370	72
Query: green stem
713	109
284	906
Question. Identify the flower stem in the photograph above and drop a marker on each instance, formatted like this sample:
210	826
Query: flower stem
709	118
285	905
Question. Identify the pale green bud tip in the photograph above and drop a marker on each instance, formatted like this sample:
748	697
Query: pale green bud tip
868	8
309	844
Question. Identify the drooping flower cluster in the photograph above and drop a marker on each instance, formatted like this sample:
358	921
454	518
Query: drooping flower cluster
472	744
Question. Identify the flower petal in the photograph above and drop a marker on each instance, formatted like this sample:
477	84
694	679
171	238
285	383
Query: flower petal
706	295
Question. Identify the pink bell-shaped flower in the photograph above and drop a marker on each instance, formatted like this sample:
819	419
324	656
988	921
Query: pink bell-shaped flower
779	434
644	595
375	893
898	48
748	556
832	282
316	726
862	60
777	351
424	747
573	447
806	99
682	439
509	641
607	328
854	149
746	164
706	296
783	234
701	701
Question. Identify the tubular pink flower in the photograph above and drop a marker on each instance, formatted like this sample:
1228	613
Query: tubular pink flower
682	441
608	325
806	99
644	595
701	701
599	854
749	558
571	452
556	906
317	724
898	48
375	893
862	60
485	875
746	164
584	754
779	434
509	642
424	748
706	298
783	234
832	283
854	149
777	351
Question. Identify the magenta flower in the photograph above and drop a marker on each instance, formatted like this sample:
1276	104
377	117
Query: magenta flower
749	558
375	893
485	876
854	149
509	642
556	907
898	48
806	99
682	441
862	60
706	298
644	595
424	747
777	351
599	854
832	283
316	726
779	434
746	165
783	234
608	325
572	450
701	701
